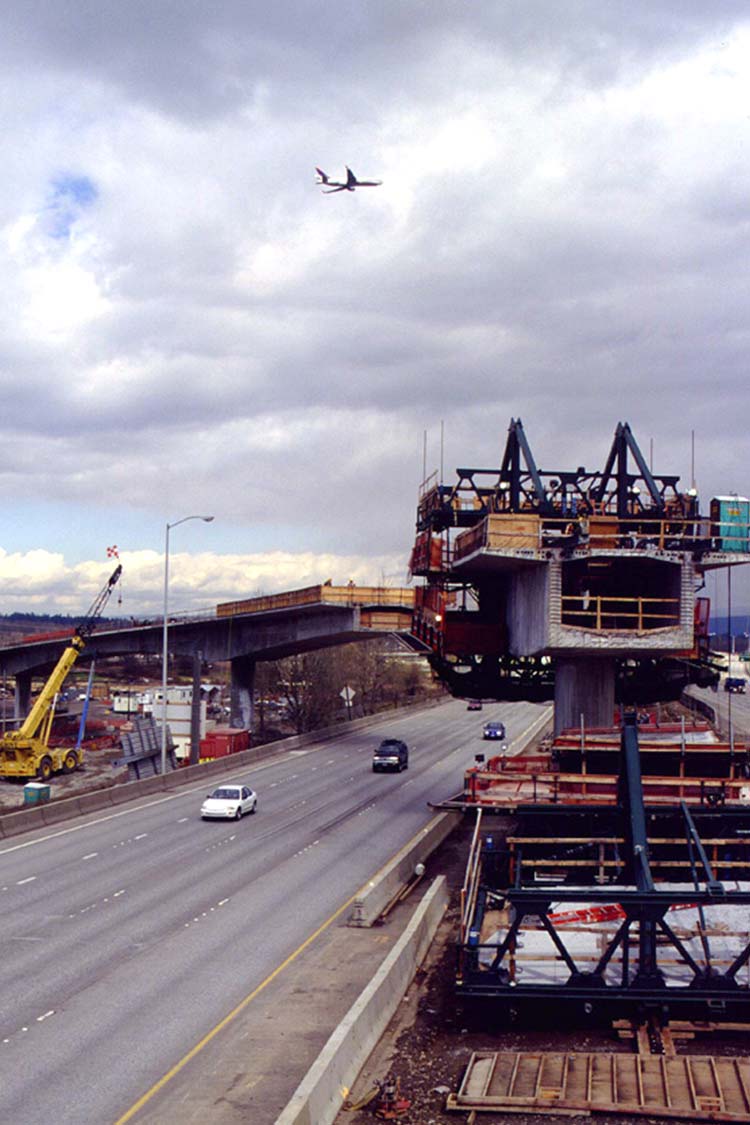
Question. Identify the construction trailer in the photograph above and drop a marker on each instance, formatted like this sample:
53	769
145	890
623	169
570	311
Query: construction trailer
610	904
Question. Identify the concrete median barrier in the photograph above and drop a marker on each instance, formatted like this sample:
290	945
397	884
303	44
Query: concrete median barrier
94	802
53	811
376	895
320	1095
24	820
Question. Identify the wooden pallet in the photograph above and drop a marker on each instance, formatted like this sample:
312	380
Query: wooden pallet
684	1088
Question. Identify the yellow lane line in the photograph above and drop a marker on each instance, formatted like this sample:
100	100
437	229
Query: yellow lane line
128	1116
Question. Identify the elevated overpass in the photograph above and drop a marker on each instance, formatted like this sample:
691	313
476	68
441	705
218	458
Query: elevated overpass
240	632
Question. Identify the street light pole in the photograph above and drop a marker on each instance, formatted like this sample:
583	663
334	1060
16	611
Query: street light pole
165	636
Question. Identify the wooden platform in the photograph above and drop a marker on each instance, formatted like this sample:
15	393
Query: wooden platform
683	1088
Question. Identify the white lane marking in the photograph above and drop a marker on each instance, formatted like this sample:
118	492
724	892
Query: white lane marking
91	855
185	791
46	1015
183	819
142	836
30	879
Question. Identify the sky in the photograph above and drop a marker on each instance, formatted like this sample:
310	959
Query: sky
190	327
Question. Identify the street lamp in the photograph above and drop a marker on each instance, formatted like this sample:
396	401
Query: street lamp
165	648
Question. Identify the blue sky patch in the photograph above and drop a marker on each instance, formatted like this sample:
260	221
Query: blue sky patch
69	197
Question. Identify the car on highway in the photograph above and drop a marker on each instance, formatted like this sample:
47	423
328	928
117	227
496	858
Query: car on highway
735	684
493	730
229	802
474	705
392	754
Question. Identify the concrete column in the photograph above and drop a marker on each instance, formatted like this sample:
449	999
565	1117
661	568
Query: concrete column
584	685
241	692
195	711
22	700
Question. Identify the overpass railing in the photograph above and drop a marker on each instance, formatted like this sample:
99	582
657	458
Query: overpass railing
350	595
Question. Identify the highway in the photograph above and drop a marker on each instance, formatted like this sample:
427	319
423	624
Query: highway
734	706
127	936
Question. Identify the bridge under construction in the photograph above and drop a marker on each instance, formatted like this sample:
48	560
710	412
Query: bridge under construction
579	586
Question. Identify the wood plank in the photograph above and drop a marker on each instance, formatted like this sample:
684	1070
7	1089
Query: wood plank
690	1088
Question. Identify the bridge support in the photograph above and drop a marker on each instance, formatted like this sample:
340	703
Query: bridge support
195	710
584	686
241	692
22	697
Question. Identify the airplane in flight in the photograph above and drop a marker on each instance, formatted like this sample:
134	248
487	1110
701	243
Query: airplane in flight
351	182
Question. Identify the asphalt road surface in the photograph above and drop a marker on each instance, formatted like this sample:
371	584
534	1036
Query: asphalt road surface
127	936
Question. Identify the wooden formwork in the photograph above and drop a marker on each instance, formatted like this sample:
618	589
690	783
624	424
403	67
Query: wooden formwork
685	1088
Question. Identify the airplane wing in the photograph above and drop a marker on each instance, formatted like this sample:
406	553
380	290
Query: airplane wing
323	177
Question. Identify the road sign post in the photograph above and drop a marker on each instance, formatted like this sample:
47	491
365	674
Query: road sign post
347	694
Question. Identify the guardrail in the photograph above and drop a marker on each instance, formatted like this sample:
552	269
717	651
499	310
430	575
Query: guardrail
601	612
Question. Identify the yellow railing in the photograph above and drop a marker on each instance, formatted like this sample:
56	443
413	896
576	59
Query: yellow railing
603	612
351	595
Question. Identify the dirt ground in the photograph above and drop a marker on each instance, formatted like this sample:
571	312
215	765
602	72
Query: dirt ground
97	772
428	1044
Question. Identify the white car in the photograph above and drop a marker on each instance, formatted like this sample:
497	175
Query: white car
229	802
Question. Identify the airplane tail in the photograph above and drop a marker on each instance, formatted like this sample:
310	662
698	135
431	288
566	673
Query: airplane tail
323	178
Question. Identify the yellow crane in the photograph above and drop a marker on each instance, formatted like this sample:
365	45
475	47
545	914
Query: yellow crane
26	752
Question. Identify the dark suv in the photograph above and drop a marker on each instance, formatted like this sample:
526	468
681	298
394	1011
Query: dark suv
392	754
494	730
735	684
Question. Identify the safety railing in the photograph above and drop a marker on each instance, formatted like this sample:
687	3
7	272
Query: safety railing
470	887
603	612
350	595
511	531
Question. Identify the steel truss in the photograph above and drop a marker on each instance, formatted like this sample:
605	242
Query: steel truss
606	892
626	487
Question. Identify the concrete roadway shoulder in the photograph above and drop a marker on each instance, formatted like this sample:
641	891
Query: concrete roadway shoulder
251	1069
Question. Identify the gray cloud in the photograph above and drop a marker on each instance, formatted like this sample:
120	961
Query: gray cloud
562	234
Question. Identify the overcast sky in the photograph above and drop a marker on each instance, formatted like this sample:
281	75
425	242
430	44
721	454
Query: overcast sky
188	326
